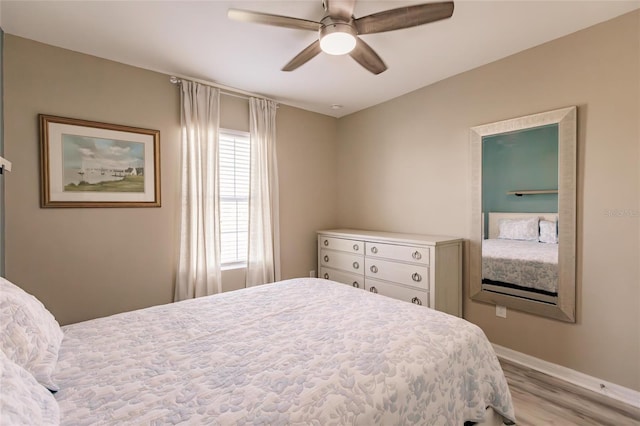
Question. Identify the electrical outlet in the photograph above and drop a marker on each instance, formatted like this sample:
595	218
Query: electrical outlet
312	274
501	311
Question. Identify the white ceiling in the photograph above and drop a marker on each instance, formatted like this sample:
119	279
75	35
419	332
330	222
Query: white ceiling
196	39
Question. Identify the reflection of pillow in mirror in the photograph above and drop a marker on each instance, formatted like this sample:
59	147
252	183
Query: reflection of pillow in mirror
548	232
518	229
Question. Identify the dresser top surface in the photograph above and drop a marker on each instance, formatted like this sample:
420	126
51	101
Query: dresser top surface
390	236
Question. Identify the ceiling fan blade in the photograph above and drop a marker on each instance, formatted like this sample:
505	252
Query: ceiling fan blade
404	17
276	20
367	57
340	8
303	57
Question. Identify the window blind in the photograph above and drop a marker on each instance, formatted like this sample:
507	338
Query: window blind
234	168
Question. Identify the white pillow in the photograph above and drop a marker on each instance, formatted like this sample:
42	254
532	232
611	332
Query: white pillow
548	232
23	401
31	336
518	229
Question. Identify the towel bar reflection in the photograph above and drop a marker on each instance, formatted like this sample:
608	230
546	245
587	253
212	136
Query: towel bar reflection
532	192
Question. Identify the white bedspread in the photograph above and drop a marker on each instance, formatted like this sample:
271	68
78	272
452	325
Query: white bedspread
298	352
524	263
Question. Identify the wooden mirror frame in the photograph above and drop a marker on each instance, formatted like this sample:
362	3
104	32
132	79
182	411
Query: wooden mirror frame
565	309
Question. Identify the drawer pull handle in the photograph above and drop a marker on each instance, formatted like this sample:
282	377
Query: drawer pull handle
416	255
326	258
416	277
416	301
356	265
326	276
355	284
326	243
374	249
374	269
356	247
373	290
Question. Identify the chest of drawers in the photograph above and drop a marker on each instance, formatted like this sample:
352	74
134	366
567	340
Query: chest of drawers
421	269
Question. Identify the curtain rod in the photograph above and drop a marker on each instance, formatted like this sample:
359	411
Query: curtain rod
225	90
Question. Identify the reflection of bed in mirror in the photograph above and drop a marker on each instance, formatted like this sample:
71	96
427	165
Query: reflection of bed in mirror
520	255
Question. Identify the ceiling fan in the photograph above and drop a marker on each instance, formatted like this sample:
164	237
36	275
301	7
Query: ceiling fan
338	30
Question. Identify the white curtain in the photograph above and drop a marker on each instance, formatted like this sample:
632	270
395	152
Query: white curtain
263	260
199	258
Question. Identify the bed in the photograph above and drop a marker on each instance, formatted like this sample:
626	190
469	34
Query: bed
297	352
520	257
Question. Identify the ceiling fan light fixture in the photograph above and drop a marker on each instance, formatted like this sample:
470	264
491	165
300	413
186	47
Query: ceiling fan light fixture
337	38
337	43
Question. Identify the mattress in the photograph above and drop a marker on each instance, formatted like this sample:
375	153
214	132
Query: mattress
297	352
526	264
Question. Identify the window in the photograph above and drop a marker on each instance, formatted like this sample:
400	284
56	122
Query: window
234	164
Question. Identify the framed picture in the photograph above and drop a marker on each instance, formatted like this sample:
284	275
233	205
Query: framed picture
90	164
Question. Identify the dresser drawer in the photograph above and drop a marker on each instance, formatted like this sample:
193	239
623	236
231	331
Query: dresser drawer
353	280
340	260
341	244
413	295
403	273
397	252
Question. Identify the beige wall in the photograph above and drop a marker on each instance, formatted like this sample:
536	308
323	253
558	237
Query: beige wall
87	263
307	172
404	166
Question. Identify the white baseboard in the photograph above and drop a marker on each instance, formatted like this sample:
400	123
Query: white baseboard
617	392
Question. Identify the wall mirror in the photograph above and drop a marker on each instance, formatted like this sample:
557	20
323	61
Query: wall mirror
523	231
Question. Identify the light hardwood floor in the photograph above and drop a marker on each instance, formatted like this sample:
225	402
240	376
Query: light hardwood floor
542	400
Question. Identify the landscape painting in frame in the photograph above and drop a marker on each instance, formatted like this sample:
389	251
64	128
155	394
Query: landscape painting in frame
91	164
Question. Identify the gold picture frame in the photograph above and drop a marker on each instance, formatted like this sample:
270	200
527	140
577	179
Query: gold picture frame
91	164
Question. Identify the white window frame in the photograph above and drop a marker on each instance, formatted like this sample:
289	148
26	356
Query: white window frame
240	262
